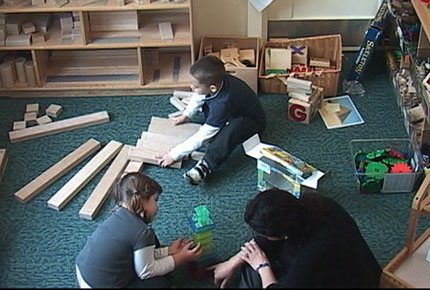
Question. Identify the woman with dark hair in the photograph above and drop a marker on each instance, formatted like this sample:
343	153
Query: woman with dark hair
310	242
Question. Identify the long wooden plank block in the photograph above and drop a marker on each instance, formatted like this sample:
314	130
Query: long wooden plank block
56	171
147	155
99	195
59	126
165	126
3	162
80	179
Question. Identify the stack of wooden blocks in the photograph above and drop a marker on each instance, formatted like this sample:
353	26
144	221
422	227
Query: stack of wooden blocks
18	71
305	99
31	116
161	136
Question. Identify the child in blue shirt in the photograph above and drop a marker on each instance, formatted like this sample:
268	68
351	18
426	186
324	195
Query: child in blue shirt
232	111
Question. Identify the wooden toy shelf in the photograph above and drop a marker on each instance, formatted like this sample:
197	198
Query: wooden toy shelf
117	47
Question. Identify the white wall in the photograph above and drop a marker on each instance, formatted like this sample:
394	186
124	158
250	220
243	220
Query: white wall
219	17
230	17
326	9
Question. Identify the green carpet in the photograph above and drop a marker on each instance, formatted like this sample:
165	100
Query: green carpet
38	245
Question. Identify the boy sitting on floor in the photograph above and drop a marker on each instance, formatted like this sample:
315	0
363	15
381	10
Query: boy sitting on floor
233	113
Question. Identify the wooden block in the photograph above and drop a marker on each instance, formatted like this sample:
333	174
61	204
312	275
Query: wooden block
165	126
32	108
277	60
43	120
6	74
166	32
56	171
231	56
57	3
28	27
59	126
175	101
54	110
13	28
80	179
147	155
29	73
319	62
299	54
101	192
86	2
38	37
18	40
30	118
197	155
247	56
175	114
304	112
37	2
18	125
3	162
20	70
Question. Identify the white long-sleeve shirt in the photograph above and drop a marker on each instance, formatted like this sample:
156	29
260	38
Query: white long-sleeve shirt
205	132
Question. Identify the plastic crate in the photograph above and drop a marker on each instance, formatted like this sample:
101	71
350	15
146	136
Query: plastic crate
374	161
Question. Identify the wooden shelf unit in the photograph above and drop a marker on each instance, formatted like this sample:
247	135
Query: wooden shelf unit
119	47
409	268
423	14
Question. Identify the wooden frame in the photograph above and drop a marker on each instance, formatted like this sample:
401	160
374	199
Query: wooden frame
409	269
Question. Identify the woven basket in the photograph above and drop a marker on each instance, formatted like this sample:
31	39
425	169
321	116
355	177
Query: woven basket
323	46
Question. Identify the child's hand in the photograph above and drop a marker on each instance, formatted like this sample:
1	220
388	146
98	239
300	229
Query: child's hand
187	253
177	245
179	120
164	160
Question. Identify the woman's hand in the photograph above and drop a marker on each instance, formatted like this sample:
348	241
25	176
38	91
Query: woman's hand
253	254
224	271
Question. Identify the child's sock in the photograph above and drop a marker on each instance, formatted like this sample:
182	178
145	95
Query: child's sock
199	172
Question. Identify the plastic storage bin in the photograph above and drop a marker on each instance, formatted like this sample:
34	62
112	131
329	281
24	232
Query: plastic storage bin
386	165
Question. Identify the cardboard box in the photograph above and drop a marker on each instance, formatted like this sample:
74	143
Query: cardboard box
368	47
216	43
373	165
322	46
281	170
369	43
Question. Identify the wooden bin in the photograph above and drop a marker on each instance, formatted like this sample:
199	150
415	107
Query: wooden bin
248	74
322	46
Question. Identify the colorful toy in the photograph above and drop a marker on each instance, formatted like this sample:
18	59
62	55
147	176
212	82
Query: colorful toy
371	167
202	226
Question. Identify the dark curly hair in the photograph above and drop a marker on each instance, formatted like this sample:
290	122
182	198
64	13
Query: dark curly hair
275	213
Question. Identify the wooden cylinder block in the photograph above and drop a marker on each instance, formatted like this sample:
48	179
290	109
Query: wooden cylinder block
6	75
20	71
29	73
11	59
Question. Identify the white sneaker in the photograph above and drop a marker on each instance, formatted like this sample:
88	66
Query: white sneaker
198	173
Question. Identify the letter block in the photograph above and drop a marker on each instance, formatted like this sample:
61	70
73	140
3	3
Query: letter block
303	112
